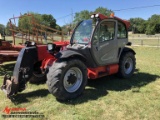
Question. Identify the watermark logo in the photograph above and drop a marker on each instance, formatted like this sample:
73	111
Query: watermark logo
20	113
8	110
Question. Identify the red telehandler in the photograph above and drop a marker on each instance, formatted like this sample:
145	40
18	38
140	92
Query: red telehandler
97	48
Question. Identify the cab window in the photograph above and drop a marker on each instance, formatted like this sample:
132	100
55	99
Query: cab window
122	32
107	31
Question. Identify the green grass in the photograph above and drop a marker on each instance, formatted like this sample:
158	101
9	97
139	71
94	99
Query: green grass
107	98
143	41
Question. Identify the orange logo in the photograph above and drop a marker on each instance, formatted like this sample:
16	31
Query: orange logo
8	110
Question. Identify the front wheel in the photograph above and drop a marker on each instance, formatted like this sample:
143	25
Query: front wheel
127	65
67	79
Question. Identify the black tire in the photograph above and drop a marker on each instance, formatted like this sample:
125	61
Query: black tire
127	65
37	77
57	83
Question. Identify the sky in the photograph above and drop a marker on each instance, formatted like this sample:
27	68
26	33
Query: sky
61	8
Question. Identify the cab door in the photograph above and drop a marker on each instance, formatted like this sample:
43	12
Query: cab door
104	43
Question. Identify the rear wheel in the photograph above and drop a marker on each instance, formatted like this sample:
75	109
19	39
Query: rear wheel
67	79
126	65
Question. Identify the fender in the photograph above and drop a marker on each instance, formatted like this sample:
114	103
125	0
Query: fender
126	49
84	56
70	53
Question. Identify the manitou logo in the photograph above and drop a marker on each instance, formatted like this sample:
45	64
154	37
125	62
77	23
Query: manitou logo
8	110
20	113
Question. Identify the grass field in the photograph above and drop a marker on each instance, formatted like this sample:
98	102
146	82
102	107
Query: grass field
143	41
107	98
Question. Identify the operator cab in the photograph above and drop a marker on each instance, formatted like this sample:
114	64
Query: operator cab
104	37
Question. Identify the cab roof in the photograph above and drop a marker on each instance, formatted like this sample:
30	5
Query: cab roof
101	16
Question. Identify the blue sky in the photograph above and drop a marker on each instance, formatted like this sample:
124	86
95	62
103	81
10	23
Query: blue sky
60	8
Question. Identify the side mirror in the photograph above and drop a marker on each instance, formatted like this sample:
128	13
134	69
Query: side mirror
51	47
29	44
129	44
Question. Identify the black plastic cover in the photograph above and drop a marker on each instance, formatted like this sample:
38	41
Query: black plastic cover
25	61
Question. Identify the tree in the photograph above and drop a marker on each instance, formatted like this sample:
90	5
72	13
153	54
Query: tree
153	24
64	29
25	21
79	16
2	28
85	14
44	19
7	30
138	25
103	11
59	28
49	20
68	28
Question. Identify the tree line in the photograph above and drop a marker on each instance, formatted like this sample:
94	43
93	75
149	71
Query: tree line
138	25
24	23
149	27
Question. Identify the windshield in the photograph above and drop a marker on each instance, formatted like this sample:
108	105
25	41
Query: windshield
83	32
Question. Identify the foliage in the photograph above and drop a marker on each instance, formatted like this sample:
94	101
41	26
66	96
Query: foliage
49	20
67	29
153	24
8	32
2	28
44	19
150	26
64	29
103	11
85	14
25	23
138	25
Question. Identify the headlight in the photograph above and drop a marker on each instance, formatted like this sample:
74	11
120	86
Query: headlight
33	43
92	16
51	47
97	15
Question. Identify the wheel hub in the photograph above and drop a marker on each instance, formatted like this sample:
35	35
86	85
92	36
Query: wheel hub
72	79
128	66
